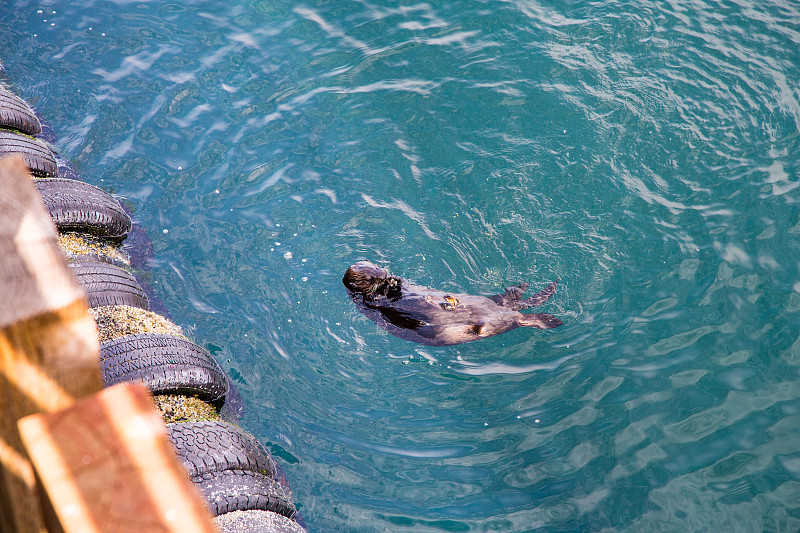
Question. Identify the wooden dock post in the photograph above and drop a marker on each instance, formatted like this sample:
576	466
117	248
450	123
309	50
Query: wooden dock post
107	466
49	354
48	342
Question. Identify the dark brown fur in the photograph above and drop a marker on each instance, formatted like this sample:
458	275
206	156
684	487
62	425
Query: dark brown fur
437	318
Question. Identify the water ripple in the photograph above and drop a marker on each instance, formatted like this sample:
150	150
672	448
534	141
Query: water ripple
642	152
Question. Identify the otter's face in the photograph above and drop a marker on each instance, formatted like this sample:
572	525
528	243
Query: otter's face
364	277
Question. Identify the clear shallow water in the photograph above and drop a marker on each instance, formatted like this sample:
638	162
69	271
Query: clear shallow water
645	153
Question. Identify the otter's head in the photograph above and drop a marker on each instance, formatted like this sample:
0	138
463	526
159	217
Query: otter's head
368	278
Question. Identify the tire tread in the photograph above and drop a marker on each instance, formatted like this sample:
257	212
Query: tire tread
214	446
166	364
78	206
40	159
106	284
242	490
16	114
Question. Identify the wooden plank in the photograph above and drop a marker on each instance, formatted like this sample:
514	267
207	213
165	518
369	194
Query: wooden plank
48	342
104	462
107	466
33	269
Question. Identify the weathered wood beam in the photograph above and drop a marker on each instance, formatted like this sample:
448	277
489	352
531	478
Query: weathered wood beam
48	342
107	466
102	458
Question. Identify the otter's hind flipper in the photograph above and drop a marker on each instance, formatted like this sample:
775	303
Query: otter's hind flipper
537	299
539	320
511	296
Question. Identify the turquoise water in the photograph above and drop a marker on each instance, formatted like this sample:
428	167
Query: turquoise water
644	152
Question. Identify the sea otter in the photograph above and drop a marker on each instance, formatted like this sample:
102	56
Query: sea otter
437	318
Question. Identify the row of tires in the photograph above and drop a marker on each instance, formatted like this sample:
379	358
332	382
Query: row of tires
232	469
18	127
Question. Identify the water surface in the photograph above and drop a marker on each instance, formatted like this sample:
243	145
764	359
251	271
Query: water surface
643	152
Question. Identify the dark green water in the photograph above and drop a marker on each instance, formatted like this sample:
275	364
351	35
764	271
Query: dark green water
644	152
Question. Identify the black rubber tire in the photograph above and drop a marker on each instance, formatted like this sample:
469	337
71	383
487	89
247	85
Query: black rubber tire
107	284
38	156
78	206
166	364
16	114
242	490
213	446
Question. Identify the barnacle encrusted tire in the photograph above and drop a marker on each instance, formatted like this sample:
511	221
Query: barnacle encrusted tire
38	156
16	114
78	206
166	364
95	258
215	446
256	522
107	284
242	490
